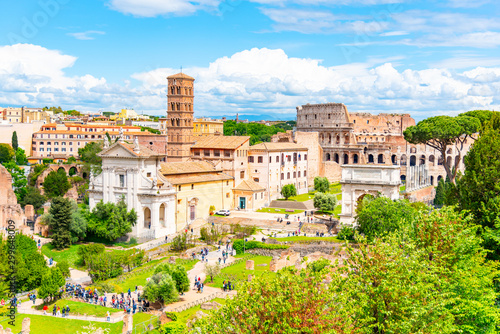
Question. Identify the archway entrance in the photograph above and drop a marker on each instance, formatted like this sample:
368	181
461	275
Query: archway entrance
147	218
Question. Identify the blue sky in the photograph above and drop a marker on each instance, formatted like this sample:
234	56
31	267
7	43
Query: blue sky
260	57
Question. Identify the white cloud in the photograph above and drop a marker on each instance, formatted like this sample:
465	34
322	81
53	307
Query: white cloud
153	8
257	81
86	35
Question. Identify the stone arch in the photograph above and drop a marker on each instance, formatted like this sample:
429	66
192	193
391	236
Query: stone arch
403	178
413	150
147	218
336	157
380	159
403	160
329	138
346	139
62	168
355	159
413	160
394	159
457	161
432	180
370	158
346	158
72	171
321	137
422	160
337	141
440	160
439	178
431	160
327	157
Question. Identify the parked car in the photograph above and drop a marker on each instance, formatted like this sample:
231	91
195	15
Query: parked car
222	212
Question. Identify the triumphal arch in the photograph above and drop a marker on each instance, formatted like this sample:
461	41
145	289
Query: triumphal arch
359	180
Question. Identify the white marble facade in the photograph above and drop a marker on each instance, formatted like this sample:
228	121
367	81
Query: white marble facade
132	172
358	180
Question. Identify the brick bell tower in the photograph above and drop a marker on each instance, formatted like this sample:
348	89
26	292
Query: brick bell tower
180	112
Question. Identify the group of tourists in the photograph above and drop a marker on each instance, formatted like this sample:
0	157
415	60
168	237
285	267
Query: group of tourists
57	311
227	286
198	284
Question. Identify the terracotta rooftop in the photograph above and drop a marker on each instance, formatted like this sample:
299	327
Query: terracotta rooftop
220	142
249	185
180	76
282	146
143	150
189	167
197	178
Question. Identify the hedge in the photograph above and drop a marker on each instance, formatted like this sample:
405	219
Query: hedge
238	245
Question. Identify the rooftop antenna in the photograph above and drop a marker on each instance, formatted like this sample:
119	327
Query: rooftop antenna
181	69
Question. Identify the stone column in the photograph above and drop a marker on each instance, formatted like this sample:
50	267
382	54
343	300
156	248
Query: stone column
250	265
127	324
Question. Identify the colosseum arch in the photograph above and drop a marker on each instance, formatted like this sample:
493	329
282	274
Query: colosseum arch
346	159
403	160
413	160
380	159
336	157
431	160
370	159
327	158
422	160
355	159
394	159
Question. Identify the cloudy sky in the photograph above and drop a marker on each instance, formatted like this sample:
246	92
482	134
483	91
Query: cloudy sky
257	57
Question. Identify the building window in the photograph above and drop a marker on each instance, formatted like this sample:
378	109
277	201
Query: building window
41	143
149	174
206	153
242	174
305	173
227	195
192	186
299	174
288	175
197	153
41	149
270	160
277	158
294	175
260	159
48	143
227	153
56	149
305	157
227	183
282	176
122	180
255	195
216	153
256	179
250	159
180	188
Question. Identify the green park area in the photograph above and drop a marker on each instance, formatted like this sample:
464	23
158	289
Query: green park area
280	211
302	239
80	308
237	273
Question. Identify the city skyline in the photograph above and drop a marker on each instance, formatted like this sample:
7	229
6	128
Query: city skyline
258	58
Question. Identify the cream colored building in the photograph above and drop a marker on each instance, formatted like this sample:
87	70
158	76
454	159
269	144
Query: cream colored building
274	165
132	172
24	133
207	126
249	195
227	152
198	185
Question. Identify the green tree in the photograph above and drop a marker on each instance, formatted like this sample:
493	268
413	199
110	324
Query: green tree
51	284
15	144
484	116
92	162
30	264
383	215
479	188
56	183
61	218
63	266
161	288
325	202
283	303
19	180
33	197
78	226
21	158
441	132
321	184
111	221
6	153
212	270
288	191
178	274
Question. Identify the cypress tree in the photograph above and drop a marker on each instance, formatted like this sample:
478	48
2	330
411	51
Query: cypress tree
61	219
15	144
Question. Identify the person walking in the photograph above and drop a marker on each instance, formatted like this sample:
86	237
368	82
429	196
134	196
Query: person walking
54	310
45	308
108	317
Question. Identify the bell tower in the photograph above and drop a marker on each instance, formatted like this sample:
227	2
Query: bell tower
180	112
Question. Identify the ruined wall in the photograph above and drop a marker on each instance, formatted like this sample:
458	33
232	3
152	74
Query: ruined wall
314	154
332	171
9	209
157	143
425	195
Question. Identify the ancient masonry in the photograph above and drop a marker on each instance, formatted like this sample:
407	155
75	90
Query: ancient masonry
180	117
363	138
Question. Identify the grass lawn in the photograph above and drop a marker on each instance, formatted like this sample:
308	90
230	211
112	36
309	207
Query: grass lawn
188	314
240	273
280	211
76	308
69	254
335	188
302	197
47	324
302	238
402	188
140	279
336	212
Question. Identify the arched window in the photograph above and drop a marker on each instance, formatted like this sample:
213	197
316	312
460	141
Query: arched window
328	157
422	160
413	160
346	159
370	158
380	159
355	159
394	159
147	218
336	158
431	160
432	180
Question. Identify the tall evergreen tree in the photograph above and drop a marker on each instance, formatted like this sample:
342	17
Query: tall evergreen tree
60	222
15	144
56	183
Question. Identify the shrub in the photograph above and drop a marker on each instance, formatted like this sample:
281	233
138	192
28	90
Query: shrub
288	191
238	245
324	202
321	184
173	327
318	265
171	315
346	233
63	267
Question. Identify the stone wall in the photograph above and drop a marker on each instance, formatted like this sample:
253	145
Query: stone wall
301	249
425	195
332	171
314	154
9	209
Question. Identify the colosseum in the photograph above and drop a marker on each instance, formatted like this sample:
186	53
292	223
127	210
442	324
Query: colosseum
363	138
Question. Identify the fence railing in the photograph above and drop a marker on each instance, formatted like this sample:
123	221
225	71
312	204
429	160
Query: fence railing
147	326
197	302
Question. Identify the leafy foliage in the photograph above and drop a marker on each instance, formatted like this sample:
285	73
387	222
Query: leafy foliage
33	197
63	266
178	274
324	202
111	221
60	221
161	288
15	143
383	215
52	281
37	170
19	180
239	245
6	153
257	132
56	183
440	132
88	155
212	270
346	233
321	184
21	158
78	226
288	191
